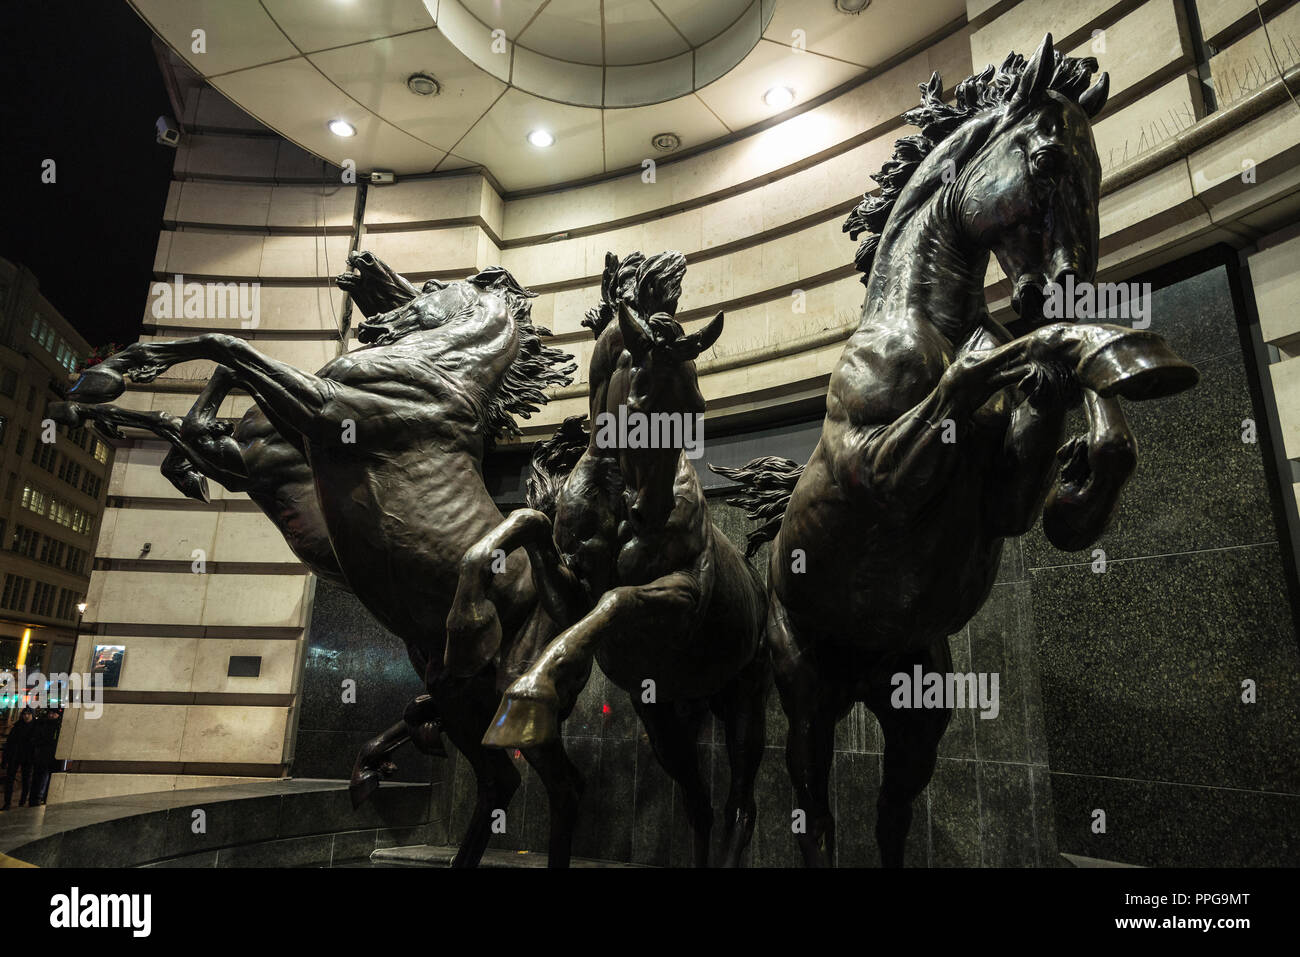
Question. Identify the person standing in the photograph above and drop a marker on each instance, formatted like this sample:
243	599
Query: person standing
20	753
45	737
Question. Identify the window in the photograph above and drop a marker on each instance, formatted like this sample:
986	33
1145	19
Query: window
91	485
4	423
54	344
8	382
21	443
101	451
31	398
14	596
43	455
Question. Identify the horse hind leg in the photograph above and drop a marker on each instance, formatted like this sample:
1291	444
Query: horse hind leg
743	710
812	704
564	789
466	707
673	740
911	749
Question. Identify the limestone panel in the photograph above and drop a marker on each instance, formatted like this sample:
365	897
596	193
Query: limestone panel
171	536
219	733
269	601
212	662
1277	291
130	732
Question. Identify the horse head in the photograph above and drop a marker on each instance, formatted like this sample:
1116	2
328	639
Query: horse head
1031	195
661	374
1010	167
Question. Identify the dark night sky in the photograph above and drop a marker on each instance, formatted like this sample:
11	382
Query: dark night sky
79	84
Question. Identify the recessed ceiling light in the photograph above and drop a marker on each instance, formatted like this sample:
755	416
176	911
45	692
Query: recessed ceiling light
665	142
778	97
342	128
422	84
541	139
852	6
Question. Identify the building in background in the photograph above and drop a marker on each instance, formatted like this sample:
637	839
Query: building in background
51	493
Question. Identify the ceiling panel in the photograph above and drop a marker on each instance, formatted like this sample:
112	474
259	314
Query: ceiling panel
869	38
293	98
628	132
498	141
375	74
636	32
237	33
319	24
510	15
702	21
738	96
567	30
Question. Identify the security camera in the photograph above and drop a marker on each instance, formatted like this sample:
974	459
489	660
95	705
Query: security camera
167	133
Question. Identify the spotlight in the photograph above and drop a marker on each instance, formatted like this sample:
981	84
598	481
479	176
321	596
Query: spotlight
779	97
342	128
541	139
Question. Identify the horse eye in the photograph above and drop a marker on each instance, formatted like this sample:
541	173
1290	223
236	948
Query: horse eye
1046	161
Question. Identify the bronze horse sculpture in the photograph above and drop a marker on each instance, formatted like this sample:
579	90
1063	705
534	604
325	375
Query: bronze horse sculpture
942	430
392	438
633	569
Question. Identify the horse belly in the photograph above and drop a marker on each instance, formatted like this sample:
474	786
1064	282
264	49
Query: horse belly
893	591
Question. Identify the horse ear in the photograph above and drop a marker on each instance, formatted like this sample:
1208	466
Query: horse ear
1094	98
1037	75
636	338
699	341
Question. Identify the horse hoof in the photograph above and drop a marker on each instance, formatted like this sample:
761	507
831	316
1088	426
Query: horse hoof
522	723
1136	365
98	384
364	784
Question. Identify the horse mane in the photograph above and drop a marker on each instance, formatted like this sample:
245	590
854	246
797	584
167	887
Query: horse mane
650	285
536	366
976	97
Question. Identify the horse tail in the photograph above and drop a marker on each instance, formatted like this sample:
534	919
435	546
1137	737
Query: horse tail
552	462
766	485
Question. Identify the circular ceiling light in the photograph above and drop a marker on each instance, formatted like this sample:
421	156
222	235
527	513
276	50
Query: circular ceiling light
852	6
665	142
779	97
541	139
342	128
422	84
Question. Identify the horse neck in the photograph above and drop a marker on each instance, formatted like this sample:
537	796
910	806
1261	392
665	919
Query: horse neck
923	270
477	354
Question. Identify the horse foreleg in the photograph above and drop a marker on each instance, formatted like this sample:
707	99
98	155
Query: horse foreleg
1029	453
205	433
472	622
530	709
1094	471
911	748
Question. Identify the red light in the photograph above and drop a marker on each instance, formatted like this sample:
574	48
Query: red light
605	708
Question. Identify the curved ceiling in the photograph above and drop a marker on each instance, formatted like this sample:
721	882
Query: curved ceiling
603	77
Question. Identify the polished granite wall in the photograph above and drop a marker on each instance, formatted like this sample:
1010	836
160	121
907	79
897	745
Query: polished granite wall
345	642
1142	666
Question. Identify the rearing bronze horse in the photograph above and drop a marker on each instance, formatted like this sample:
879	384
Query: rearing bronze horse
633	568
942	430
